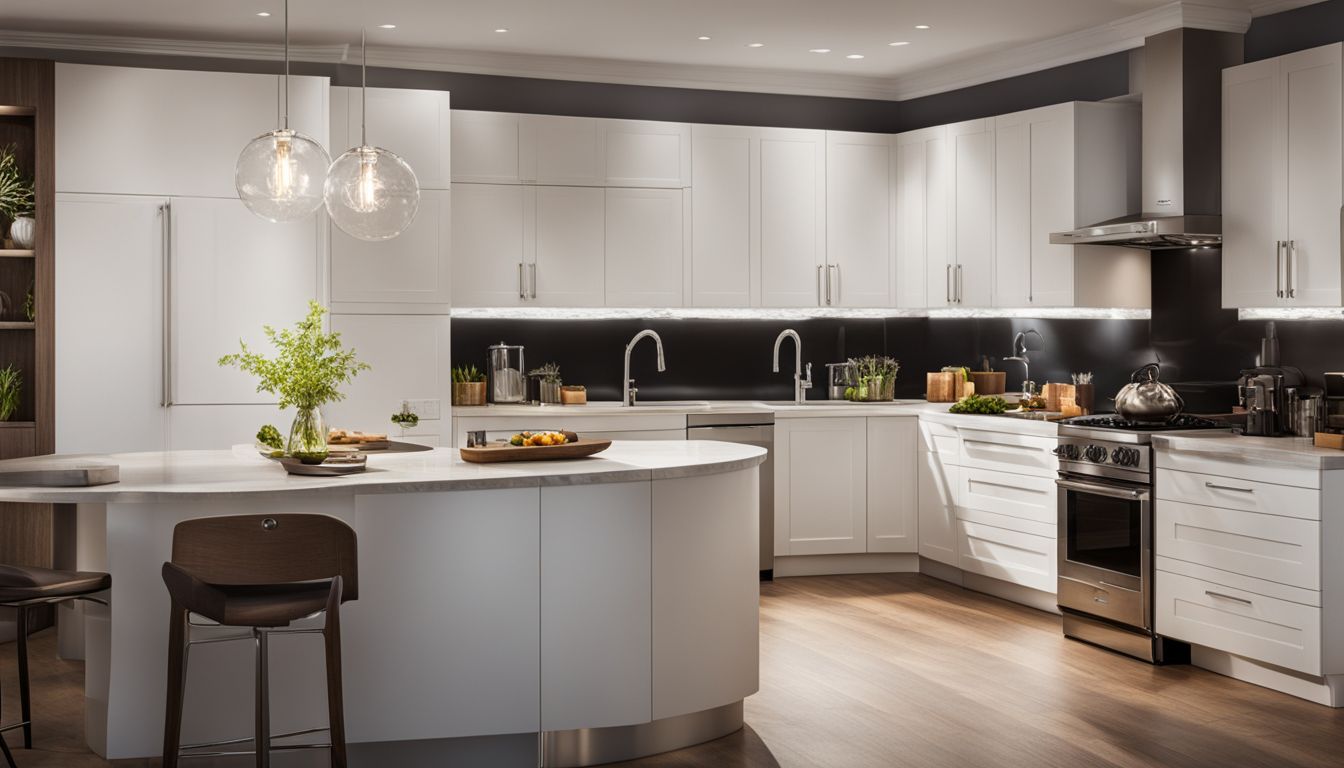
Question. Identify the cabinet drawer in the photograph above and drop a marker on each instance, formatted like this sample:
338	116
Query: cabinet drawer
1237	621
1020	454
1012	556
941	439
1223	465
1233	492
1279	549
1024	496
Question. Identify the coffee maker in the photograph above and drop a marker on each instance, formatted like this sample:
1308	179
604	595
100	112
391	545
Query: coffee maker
1266	390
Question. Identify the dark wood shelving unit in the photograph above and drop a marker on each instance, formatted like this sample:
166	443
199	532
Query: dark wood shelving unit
31	534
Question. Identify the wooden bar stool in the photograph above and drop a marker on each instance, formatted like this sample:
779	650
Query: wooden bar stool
22	588
262	572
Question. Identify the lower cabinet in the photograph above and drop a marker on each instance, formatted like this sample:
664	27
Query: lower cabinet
938	482
997	546
893	486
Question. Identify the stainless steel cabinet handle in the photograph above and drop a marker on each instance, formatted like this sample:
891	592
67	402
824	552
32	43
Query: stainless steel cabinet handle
1292	269
1216	487
1233	598
960	285
522	283
532	269
836	297
949	284
1278	267
166	233
820	298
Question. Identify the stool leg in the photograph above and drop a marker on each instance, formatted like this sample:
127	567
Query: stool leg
4	749
177	682
331	634
25	696
263	709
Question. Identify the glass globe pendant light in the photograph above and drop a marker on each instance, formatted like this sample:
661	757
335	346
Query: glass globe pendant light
280	173
371	193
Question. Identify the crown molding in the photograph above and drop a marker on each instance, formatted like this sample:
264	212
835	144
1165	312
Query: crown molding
1120	35
1270	7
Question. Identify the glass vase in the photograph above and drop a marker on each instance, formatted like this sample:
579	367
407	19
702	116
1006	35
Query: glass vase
308	436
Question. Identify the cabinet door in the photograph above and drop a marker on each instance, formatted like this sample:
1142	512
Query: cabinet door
793	217
1253	185
725	216
414	124
232	273
569	269
644	247
858	219
972	229
1013	204
413	268
109	389
485	147
893	485
562	150
821	486
169	132
1034	187
1311	97
938	483
492	239
921	218
645	153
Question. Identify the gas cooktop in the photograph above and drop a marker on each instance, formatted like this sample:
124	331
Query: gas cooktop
1180	423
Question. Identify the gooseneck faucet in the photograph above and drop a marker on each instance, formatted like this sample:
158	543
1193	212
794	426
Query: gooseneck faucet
1020	356
628	393
800	384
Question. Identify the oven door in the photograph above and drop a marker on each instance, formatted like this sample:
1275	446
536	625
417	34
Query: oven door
1105	550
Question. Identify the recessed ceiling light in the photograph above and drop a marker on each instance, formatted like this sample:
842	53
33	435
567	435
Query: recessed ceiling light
854	56
921	26
702	37
899	43
502	29
819	50
263	13
755	45
387	26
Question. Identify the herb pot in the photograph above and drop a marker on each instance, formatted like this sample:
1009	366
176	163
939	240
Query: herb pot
469	393
308	436
23	231
550	392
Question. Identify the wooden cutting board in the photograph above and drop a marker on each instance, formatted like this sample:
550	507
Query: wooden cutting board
505	452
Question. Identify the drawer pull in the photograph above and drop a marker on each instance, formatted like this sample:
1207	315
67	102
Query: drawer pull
1233	598
1216	487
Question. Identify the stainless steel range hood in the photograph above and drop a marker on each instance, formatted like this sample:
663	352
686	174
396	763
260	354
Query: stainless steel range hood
1182	86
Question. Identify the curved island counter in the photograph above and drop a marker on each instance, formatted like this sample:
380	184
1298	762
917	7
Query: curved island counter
608	603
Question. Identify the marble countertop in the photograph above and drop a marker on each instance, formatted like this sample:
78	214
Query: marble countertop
1297	451
148	477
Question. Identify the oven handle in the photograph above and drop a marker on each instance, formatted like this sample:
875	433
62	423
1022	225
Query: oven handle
1135	494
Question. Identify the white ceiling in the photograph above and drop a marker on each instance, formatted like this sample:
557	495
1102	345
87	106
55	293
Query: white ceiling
641	32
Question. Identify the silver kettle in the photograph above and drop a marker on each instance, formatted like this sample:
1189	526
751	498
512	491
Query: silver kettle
1146	399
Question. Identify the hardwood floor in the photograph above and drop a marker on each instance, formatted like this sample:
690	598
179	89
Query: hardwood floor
904	670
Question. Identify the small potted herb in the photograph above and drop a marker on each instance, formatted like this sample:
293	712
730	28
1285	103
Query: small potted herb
406	418
875	377
11	388
468	385
549	376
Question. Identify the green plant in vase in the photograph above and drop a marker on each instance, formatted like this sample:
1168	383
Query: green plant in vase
875	376
11	388
306	373
16	192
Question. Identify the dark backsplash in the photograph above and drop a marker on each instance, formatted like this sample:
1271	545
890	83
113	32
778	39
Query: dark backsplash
1201	346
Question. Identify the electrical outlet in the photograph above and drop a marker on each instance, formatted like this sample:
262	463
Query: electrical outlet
425	409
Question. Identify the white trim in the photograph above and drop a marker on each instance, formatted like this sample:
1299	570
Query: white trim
1120	35
765	313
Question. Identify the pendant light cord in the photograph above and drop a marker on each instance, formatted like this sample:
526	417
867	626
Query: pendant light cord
286	119
363	87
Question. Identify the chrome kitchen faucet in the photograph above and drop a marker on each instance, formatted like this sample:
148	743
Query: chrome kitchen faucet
1020	356
800	384
628	393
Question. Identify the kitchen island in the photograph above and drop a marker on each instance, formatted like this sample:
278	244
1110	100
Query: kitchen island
609	603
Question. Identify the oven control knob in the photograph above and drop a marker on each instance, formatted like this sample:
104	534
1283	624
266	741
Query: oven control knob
1125	457
1067	451
1096	454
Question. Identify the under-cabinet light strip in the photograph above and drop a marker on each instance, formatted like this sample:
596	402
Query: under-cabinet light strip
1290	313
708	313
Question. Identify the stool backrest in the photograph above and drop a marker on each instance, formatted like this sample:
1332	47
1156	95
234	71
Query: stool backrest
268	549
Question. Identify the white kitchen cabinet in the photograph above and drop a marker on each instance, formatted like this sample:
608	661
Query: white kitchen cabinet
893	484
130	131
1283	180
569	263
938	481
858	220
645	244
485	147
1005	552
109	388
921	180
725	216
409	360
411	272
793	217
562	150
821	486
646	153
231	273
415	124
970	268
493	241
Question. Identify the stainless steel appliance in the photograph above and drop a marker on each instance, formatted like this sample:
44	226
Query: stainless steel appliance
1306	411
507	376
1267	391
1105	556
839	377
749	428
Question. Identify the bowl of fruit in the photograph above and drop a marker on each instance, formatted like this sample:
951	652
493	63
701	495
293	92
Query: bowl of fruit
535	446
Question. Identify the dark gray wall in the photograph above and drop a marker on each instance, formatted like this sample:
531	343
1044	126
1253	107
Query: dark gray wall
1307	27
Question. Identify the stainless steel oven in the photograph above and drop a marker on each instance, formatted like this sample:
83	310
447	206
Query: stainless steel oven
1105	550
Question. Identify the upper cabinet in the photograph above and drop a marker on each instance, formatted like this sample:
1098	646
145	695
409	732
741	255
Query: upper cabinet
122	130
970	267
645	153
561	150
858	220
792	193
485	147
417	125
919	183
493	241
645	233
1283	181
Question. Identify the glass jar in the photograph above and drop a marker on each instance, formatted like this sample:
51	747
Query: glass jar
308	436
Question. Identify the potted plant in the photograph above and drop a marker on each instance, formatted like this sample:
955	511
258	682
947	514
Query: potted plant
875	378
306	373
468	385
16	199
11	387
406	418
549	375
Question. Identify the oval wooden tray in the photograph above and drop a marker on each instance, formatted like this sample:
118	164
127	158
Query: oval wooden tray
505	452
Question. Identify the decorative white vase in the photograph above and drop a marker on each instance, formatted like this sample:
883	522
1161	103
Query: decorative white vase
23	231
